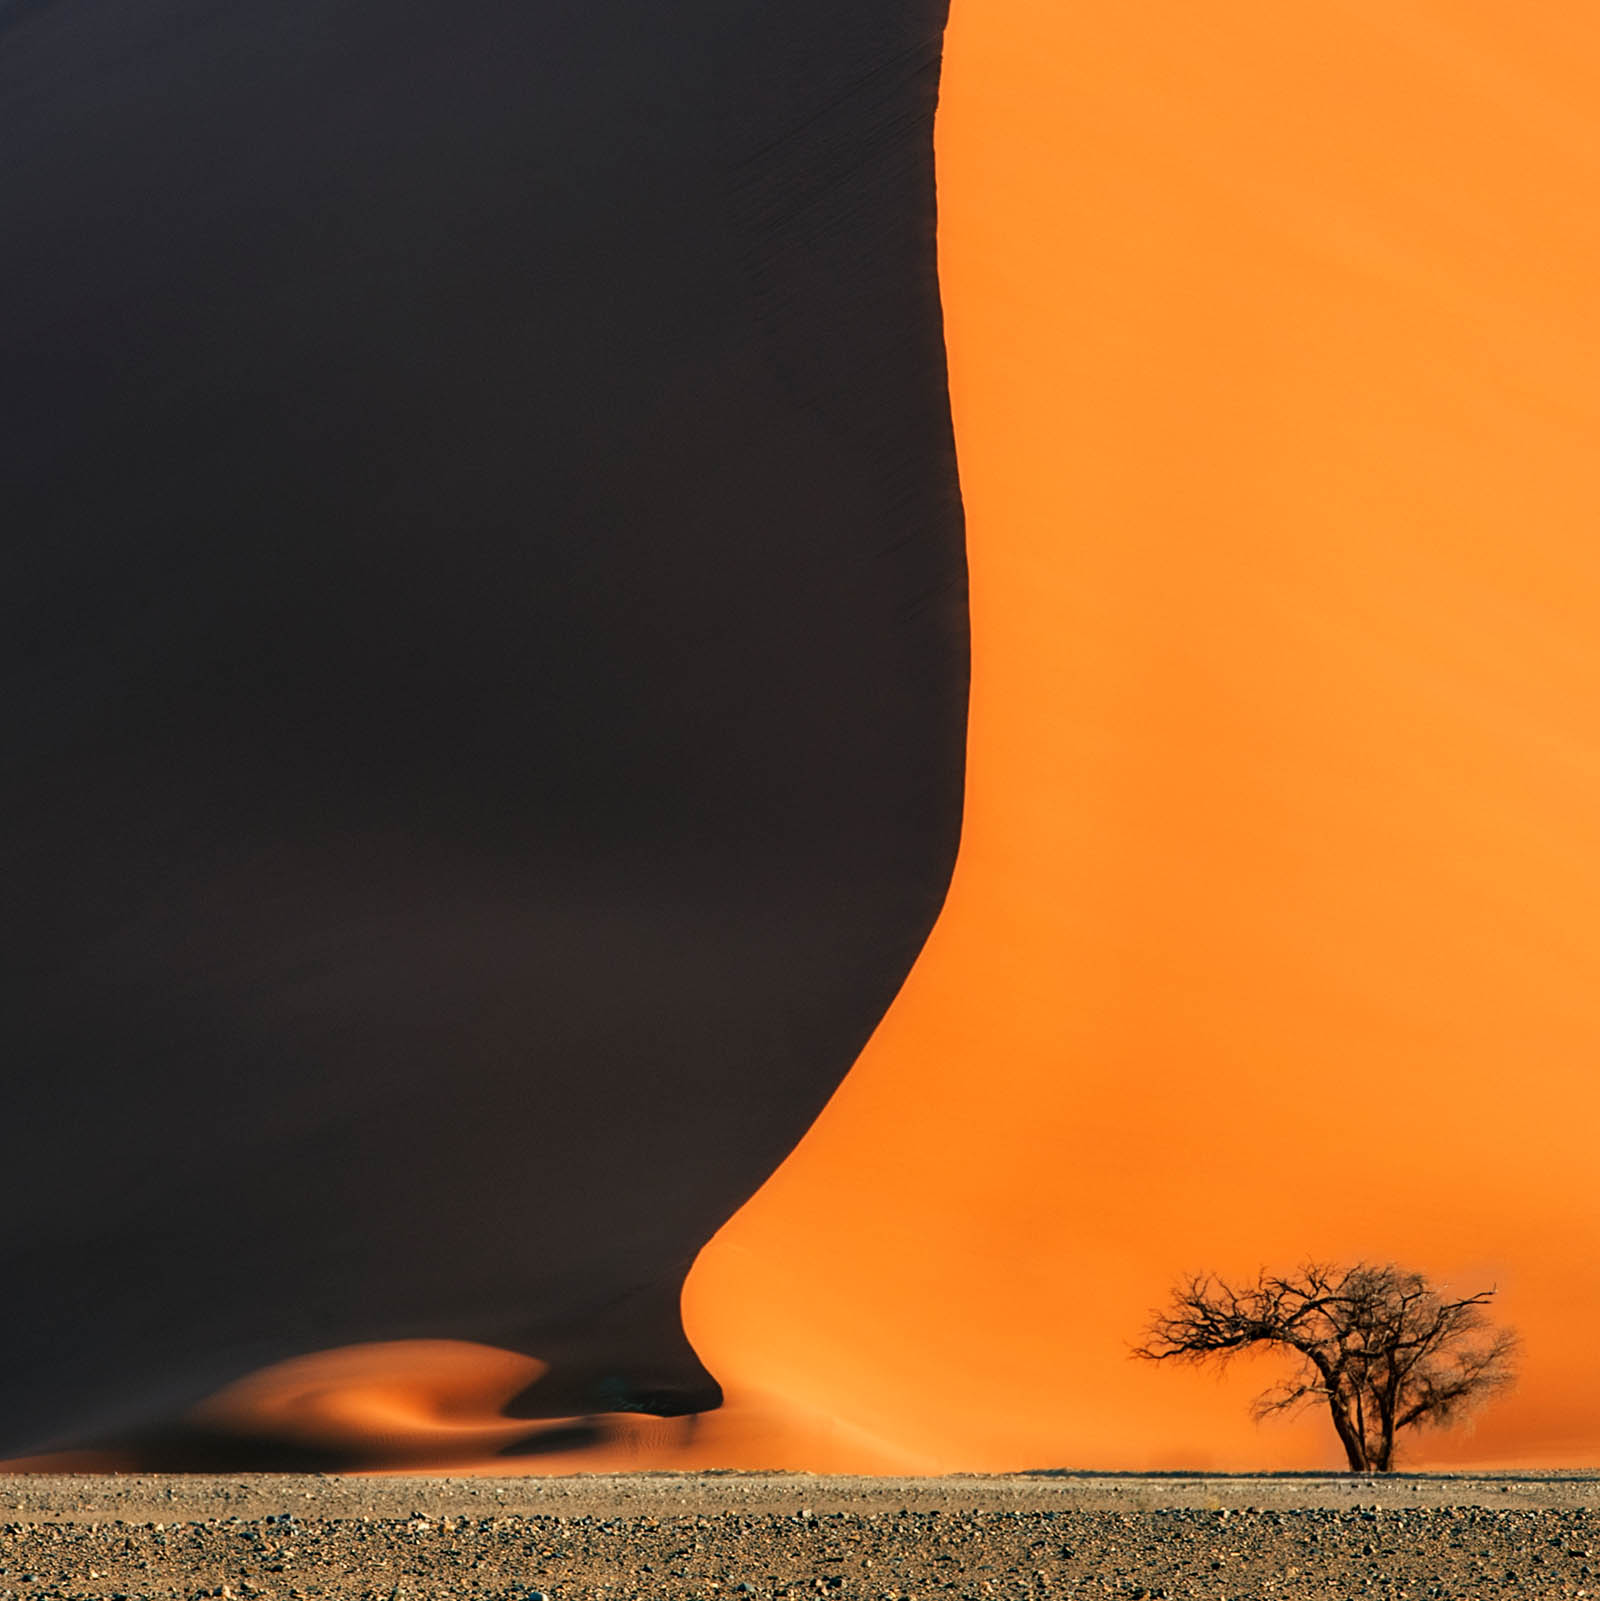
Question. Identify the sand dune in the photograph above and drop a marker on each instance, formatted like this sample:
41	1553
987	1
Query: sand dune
1272	344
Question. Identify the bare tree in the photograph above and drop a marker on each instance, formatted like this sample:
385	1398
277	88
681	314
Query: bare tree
1379	1346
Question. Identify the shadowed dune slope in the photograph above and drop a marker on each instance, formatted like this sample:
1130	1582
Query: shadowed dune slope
484	662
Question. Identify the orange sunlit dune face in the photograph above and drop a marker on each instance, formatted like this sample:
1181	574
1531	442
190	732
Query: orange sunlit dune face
423	1401
1275	359
1274	346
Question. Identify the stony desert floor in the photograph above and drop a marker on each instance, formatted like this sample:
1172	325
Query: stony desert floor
727	1537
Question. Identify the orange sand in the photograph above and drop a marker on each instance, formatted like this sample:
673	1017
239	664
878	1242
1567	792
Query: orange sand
1275	340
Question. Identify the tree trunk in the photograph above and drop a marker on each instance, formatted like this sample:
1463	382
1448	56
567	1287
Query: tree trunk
1355	1448
1388	1402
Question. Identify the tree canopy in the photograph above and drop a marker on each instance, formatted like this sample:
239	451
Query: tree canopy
1379	1345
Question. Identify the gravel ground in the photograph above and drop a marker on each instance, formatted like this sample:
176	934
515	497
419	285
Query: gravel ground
726	1537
